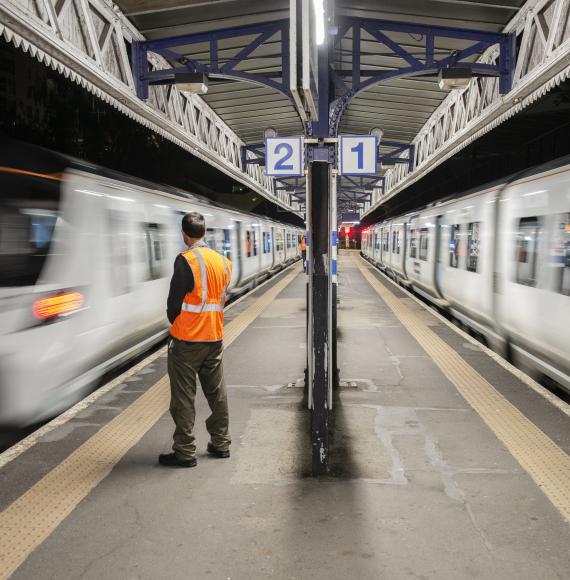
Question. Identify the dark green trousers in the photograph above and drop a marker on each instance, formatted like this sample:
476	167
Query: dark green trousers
186	360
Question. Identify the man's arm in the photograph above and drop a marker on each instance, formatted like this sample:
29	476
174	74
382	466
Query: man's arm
181	283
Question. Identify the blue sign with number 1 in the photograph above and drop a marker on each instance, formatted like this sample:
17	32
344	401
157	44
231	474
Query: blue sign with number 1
358	155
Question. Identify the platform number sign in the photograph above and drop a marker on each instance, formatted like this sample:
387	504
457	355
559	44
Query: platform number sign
284	156
358	155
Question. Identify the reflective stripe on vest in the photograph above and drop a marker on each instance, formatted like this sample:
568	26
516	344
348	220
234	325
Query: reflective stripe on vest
203	306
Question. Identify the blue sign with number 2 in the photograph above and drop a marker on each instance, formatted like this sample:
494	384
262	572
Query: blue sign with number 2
284	156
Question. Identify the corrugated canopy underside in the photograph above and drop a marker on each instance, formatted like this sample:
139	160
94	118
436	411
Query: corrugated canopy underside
399	106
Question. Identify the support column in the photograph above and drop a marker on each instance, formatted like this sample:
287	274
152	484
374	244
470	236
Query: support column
320	312
334	285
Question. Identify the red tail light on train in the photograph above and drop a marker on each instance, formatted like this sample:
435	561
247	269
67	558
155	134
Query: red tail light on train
62	303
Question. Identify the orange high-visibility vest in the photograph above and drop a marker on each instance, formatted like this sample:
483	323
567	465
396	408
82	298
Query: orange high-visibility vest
303	244
202	316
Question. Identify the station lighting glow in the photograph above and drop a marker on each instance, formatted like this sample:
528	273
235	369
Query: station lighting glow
319	7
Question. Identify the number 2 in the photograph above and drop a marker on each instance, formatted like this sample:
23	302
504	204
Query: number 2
359	149
288	154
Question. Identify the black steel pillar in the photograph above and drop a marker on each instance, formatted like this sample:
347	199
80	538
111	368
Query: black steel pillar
319	192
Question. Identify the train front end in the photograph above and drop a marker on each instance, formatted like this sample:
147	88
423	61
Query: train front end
38	298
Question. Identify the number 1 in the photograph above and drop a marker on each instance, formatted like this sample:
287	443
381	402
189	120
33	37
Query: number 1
359	149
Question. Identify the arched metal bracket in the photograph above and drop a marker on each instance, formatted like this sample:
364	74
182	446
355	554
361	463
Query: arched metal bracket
231	67
425	60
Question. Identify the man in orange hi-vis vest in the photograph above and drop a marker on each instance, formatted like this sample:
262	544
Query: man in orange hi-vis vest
196	311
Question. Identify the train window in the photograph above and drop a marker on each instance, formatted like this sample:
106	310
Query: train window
248	244
376	242
219	240
254	238
424	241
454	237
473	241
288	240
156	250
527	240
386	243
266	242
560	254
26	234
279	241
396	242
413	244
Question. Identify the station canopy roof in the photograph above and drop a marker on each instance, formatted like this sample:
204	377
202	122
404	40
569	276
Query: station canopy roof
400	107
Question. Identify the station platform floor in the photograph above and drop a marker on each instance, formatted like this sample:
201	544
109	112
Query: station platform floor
445	462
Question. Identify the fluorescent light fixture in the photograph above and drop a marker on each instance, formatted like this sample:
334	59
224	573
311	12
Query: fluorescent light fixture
454	77
270	132
195	83
319	7
120	198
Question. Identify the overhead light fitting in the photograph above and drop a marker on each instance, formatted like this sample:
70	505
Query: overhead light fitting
270	132
377	132
319	8
454	77
196	83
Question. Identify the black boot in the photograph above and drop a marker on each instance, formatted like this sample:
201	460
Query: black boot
170	460
217	452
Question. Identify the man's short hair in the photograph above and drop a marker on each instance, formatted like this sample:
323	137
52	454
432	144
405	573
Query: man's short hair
194	225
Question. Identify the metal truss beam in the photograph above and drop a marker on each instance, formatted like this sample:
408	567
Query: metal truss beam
174	49
542	62
399	153
87	41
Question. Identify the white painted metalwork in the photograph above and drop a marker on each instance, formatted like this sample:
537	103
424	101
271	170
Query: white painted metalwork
87	41
543	61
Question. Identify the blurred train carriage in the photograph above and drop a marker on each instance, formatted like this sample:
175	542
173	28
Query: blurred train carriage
86	256
496	258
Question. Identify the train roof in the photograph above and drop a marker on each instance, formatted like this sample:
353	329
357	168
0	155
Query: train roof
39	160
497	183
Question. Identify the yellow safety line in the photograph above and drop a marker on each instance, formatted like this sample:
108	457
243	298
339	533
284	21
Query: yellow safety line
31	518
543	460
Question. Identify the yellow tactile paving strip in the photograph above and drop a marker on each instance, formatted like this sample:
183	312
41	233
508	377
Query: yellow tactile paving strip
30	519
543	460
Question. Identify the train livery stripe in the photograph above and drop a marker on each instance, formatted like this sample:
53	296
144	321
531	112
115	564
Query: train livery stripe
31	518
542	459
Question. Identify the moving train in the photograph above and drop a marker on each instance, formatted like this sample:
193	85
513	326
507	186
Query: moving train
497	259
86	256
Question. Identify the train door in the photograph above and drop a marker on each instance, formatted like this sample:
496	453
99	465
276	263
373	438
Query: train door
237	247
273	247
439	254
125	268
403	250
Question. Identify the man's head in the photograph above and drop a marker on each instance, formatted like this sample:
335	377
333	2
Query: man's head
193	227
